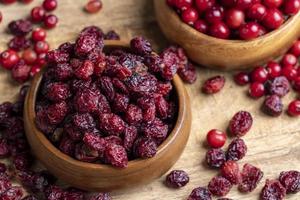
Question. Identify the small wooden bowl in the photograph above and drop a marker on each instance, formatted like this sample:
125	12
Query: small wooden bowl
100	177
225	54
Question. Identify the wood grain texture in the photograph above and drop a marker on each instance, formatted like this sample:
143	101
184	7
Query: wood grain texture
225	54
273	143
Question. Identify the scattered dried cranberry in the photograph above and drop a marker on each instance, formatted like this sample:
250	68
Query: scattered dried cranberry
273	190
279	86
141	46
216	138
177	179
291	181
237	149
215	158
273	105
230	170
213	85
200	193
188	73
219	186
240	123
112	35
20	27
19	43
93	6
20	72
250	177
100	196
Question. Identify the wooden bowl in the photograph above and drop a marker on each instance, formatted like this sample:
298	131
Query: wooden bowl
100	177
225	54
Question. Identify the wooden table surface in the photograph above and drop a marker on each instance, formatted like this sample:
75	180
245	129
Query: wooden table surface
273	143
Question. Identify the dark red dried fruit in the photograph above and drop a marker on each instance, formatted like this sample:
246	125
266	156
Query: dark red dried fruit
250	178
156	129
213	84
177	179
83	122
67	146
144	147
3	168
230	170
53	193
13	193
140	45
86	43
188	74
20	27
107	88
57	112
4	148
57	56
19	43
57	92
291	181
111	124
20	72
22	161
279	86
111	35
116	155
100	196
273	105
30	197
273	190
130	135
215	158
200	193
219	186
141	85
120	102
86	101
5	184
85	70
240	123
237	149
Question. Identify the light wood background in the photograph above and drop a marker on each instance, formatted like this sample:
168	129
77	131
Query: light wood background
273	143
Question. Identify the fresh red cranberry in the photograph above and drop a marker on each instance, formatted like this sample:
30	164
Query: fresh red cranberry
294	108
201	26
234	18
219	186
249	31
216	138
216	14
273	105
256	90
38	34
37	14
219	30
289	60
93	6
259	74
257	12
272	3
273	19
41	59
250	178
183	4
291	181
290	72
240	123
203	5
50	21
243	4
228	3
230	170
274	69
215	158
296	84
29	56
295	49
241	78
200	193
34	70
9	59
273	190
41	47
291	7
177	179
279	86
237	149
189	16
50	5
213	84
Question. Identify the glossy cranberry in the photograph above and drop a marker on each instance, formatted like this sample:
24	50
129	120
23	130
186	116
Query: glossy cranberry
219	30
257	12
50	5
295	49
41	47
93	6
291	7
41	59
203	5
294	108
9	58
243	4
38	34
214	14
234	18
37	14
216	138
249	31
273	19
256	90
183	4
290	72
189	16
259	74
241	78
289	60
50	21
29	56
272	3
274	69
34	70
201	26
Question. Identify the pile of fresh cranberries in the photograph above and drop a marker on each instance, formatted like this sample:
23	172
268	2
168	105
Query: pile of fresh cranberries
275	80
235	19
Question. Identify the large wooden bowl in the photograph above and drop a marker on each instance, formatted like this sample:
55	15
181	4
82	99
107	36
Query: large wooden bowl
100	177
225	54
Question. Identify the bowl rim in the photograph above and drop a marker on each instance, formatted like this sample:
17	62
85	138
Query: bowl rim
188	28
134	164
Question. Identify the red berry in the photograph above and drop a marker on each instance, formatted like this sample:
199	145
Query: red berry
291	7
234	18
256	90
213	84
241	78
290	72
41	47
219	186
295	49
240	123
50	21
219	30
272	3
201	26
37	14
290	180
274	69
294	108
29	56
0	17
189	16
259	74
20	72
34	70
41	59
257	12
183	4
250	178
93	6
273	19
273	190
38	34
289	60
216	138
203	5
230	170
249	31
244	4
228	3
49	5
214	14
9	58
177	179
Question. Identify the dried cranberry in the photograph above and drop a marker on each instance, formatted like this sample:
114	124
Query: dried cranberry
156	130
215	158
94	142
57	56
67	146
111	124
57	112
13	193
219	186
20	27
250	177
30	197
144	147
273	105
19	43
58	92
93	6
188	73
141	85
86	101
107	88
5	184
100	196
120	102
177	179
200	193
20	72
3	168
83	121
230	170
53	193
140	45
279	86
237	149
240	123
116	155
86	43
290	180
273	190
62	71
112	35
213	84
4	148
130	135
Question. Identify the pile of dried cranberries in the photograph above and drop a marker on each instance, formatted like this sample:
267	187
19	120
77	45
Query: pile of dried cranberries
235	19
109	107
